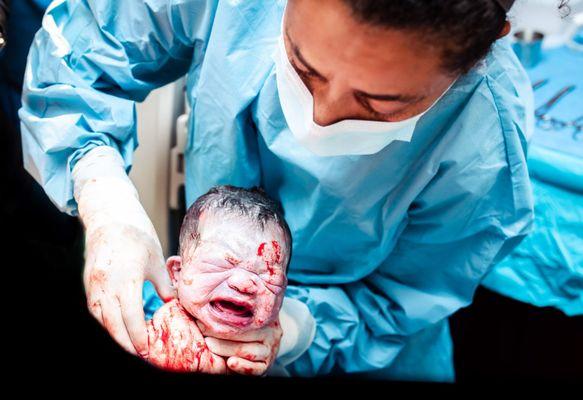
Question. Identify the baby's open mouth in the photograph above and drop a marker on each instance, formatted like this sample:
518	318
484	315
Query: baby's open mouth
232	311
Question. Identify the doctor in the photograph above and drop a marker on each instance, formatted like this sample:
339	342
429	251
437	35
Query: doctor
393	133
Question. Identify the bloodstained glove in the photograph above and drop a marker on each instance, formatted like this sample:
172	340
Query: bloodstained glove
176	343
121	248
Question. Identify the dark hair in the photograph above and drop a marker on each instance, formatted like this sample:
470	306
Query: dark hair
252	203
463	30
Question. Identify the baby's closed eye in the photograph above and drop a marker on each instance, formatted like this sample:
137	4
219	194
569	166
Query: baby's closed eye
275	289
214	266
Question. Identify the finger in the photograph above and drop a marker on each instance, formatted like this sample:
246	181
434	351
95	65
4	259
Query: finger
113	322
134	320
246	367
250	351
258	335
217	365
163	284
94	307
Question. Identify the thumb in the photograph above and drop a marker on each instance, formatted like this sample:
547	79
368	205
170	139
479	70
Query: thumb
163	284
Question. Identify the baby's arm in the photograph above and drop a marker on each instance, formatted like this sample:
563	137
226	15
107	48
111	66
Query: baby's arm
176	344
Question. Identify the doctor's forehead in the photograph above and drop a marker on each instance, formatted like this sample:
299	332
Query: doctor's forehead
372	59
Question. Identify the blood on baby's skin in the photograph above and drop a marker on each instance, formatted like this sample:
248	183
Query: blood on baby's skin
232	260
165	334
174	344
270	254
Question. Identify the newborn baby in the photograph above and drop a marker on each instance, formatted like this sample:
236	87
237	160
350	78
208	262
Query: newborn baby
230	277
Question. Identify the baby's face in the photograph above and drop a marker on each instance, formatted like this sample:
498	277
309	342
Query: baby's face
234	280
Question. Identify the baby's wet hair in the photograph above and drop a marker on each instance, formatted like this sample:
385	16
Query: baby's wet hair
252	203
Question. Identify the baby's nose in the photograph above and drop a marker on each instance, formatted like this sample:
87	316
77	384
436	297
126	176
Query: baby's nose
243	282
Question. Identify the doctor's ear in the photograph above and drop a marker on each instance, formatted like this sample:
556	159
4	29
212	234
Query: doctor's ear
505	30
174	266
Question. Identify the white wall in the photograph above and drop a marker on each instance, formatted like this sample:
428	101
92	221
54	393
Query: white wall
156	118
543	16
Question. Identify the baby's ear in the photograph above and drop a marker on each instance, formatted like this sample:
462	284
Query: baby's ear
174	265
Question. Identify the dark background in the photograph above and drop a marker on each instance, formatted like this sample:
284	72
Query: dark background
53	337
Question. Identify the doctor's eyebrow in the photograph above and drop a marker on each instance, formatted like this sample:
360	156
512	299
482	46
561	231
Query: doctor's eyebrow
298	54
402	98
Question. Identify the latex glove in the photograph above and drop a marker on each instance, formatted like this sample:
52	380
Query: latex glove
281	343
121	248
252	353
176	343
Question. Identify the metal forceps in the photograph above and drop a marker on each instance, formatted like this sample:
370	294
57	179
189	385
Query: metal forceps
577	125
546	122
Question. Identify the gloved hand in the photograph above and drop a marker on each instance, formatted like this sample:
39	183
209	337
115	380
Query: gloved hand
121	248
255	352
252	353
176	343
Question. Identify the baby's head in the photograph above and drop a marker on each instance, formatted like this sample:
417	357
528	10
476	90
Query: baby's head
235	247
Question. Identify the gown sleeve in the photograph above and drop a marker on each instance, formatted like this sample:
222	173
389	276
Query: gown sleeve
88	65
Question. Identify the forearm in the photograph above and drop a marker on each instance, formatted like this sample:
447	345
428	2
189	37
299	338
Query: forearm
342	340
299	329
122	248
105	194
77	97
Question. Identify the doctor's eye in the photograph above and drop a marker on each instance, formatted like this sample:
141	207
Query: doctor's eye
377	115
303	73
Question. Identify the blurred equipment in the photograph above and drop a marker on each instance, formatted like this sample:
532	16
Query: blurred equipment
576	33
546	270
528	47
528	323
541	113
577	124
539	84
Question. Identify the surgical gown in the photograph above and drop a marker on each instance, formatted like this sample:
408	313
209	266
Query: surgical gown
547	268
386	246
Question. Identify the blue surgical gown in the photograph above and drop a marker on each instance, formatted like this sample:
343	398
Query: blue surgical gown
546	270
386	246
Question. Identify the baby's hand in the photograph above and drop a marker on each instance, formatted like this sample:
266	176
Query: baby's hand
252	353
176	343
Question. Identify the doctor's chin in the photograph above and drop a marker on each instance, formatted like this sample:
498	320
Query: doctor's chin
279	192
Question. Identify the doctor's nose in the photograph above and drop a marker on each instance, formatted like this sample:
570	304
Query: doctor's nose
243	282
331	105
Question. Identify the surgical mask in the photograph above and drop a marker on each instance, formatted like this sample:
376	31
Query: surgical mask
347	137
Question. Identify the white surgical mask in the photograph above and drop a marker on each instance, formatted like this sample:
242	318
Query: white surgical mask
347	137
